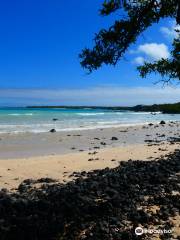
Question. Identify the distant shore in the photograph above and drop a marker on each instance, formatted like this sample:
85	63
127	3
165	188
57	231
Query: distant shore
171	108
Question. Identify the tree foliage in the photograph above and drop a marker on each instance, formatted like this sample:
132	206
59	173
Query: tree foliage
168	68
111	44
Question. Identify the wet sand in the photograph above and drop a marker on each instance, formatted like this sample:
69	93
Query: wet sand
24	145
57	155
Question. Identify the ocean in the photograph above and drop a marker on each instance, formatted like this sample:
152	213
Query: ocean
15	120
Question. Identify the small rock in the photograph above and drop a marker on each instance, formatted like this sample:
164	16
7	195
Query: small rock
114	138
52	130
55	119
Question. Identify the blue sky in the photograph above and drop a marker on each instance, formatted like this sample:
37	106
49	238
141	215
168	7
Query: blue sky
39	46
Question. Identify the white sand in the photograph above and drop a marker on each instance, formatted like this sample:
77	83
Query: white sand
14	171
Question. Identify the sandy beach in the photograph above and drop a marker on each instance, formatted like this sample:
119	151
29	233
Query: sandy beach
58	155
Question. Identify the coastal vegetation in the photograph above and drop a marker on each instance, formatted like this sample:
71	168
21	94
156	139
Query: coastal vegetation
173	108
164	108
134	17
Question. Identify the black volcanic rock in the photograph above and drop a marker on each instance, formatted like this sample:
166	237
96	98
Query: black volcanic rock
103	204
55	119
114	138
52	130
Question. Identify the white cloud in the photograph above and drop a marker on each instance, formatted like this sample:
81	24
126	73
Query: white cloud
154	51
139	60
105	96
170	32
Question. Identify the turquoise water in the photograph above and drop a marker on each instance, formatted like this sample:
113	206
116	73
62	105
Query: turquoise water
14	120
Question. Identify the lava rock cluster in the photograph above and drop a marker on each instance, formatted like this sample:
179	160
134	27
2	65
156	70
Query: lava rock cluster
103	204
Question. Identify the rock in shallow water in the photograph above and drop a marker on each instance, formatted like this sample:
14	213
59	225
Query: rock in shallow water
52	130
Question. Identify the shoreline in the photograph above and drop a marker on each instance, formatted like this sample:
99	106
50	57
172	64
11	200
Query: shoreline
57	155
83	128
24	145
67	130
92	173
